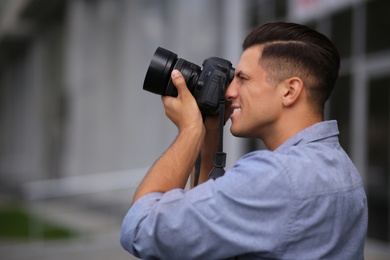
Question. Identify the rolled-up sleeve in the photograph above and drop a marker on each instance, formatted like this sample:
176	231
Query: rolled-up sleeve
134	218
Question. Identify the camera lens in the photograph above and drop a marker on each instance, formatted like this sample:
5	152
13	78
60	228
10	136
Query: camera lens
158	76
159	71
190	72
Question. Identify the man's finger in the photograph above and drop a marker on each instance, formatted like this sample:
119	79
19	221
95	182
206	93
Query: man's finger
179	81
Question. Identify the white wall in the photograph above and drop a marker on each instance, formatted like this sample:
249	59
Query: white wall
74	104
114	124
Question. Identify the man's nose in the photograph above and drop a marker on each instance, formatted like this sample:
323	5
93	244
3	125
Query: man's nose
230	92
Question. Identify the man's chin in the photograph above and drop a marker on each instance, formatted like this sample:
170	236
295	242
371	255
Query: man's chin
236	133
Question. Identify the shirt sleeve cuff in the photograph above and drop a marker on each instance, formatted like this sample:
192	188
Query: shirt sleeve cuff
136	214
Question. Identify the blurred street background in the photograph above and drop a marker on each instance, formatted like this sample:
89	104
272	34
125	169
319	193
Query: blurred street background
78	133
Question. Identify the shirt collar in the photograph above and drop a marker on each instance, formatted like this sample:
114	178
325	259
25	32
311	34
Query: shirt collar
318	131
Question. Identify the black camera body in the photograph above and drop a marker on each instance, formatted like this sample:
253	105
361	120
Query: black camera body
206	84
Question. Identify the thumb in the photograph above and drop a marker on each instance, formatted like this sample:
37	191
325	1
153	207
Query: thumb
179	81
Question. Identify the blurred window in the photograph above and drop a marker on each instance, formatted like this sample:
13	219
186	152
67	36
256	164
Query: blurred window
339	110
280	8
265	11
378	21
377	185
342	32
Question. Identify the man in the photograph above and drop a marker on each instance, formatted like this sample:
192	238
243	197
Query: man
301	199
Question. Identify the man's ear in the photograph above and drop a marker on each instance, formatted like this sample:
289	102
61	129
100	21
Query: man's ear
292	88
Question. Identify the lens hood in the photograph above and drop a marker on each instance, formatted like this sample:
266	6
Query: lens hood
159	71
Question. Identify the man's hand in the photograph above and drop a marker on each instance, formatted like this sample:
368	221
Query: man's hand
182	110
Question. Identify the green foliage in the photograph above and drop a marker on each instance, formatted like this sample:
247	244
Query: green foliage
17	223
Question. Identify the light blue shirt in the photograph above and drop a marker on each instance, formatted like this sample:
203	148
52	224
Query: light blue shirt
305	200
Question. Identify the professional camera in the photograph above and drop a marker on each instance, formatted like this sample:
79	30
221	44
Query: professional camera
207	84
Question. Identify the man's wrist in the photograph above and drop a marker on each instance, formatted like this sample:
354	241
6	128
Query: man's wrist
193	131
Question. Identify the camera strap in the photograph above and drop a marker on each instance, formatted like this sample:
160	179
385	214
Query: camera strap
219	156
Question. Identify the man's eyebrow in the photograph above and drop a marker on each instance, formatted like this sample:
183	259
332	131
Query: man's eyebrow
241	74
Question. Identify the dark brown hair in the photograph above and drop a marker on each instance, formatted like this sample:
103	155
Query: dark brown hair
296	50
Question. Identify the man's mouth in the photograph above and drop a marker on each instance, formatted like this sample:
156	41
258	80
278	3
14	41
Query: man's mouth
236	110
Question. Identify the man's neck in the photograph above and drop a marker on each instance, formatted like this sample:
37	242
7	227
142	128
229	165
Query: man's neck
284	131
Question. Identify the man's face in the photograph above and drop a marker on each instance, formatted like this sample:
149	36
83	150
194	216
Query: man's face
255	103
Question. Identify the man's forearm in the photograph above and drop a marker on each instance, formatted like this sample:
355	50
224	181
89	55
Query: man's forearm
173	168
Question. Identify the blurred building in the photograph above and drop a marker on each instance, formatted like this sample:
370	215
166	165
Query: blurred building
72	105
